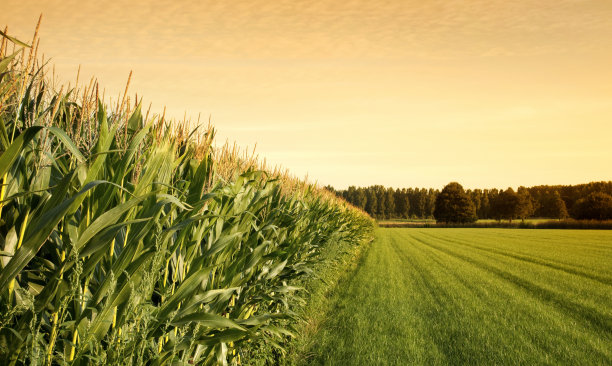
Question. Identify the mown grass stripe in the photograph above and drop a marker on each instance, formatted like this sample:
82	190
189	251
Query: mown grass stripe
530	259
448	304
597	319
581	258
548	278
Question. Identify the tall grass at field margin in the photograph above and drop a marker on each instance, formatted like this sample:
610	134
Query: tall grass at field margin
336	266
128	239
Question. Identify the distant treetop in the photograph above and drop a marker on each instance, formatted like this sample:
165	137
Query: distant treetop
453	205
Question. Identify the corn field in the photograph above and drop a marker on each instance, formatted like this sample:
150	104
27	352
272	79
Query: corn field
128	239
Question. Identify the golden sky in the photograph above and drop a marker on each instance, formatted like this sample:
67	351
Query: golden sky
489	93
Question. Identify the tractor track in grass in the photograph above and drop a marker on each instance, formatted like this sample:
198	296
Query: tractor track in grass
434	291
580	312
434	296
467	284
483	298
545	263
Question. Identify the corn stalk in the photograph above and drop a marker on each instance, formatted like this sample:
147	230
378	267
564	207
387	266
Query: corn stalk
127	240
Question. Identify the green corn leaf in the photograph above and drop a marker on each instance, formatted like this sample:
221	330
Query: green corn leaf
277	269
222	243
135	121
131	279
61	135
4	63
10	155
35	237
10	243
262	319
100	240
14	40
186	289
216	295
207	320
108	218
230	335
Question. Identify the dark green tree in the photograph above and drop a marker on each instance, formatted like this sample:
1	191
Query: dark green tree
331	189
381	199
506	205
430	203
526	203
493	193
454	206
550	204
360	198
389	203
348	194
595	206
484	205
371	202
420	204
476	197
402	204
410	192
558	210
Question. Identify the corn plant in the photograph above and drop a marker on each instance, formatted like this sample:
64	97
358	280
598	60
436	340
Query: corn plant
123	242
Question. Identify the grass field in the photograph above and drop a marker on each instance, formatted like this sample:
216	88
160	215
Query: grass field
473	296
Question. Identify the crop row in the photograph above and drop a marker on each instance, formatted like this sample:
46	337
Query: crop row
128	240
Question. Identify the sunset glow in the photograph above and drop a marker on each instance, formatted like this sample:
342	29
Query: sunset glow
397	93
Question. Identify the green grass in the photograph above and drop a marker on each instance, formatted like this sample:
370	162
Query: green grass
473	296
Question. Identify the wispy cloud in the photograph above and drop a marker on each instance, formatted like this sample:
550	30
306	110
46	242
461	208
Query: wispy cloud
323	84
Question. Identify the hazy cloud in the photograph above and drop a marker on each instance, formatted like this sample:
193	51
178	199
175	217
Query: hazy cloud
419	91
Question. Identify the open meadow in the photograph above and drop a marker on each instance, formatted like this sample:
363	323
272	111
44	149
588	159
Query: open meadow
473	296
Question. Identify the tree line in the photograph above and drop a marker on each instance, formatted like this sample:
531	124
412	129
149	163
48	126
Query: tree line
583	201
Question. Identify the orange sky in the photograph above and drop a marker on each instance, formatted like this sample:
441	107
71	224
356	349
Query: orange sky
401	93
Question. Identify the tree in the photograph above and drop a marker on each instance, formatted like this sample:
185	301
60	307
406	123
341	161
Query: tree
349	194
390	203
420	203
595	206
331	189
402	203
484	205
506	205
526	203
381	199
557	207
492	194
475	196
430	203
454	205
371	202
360	198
